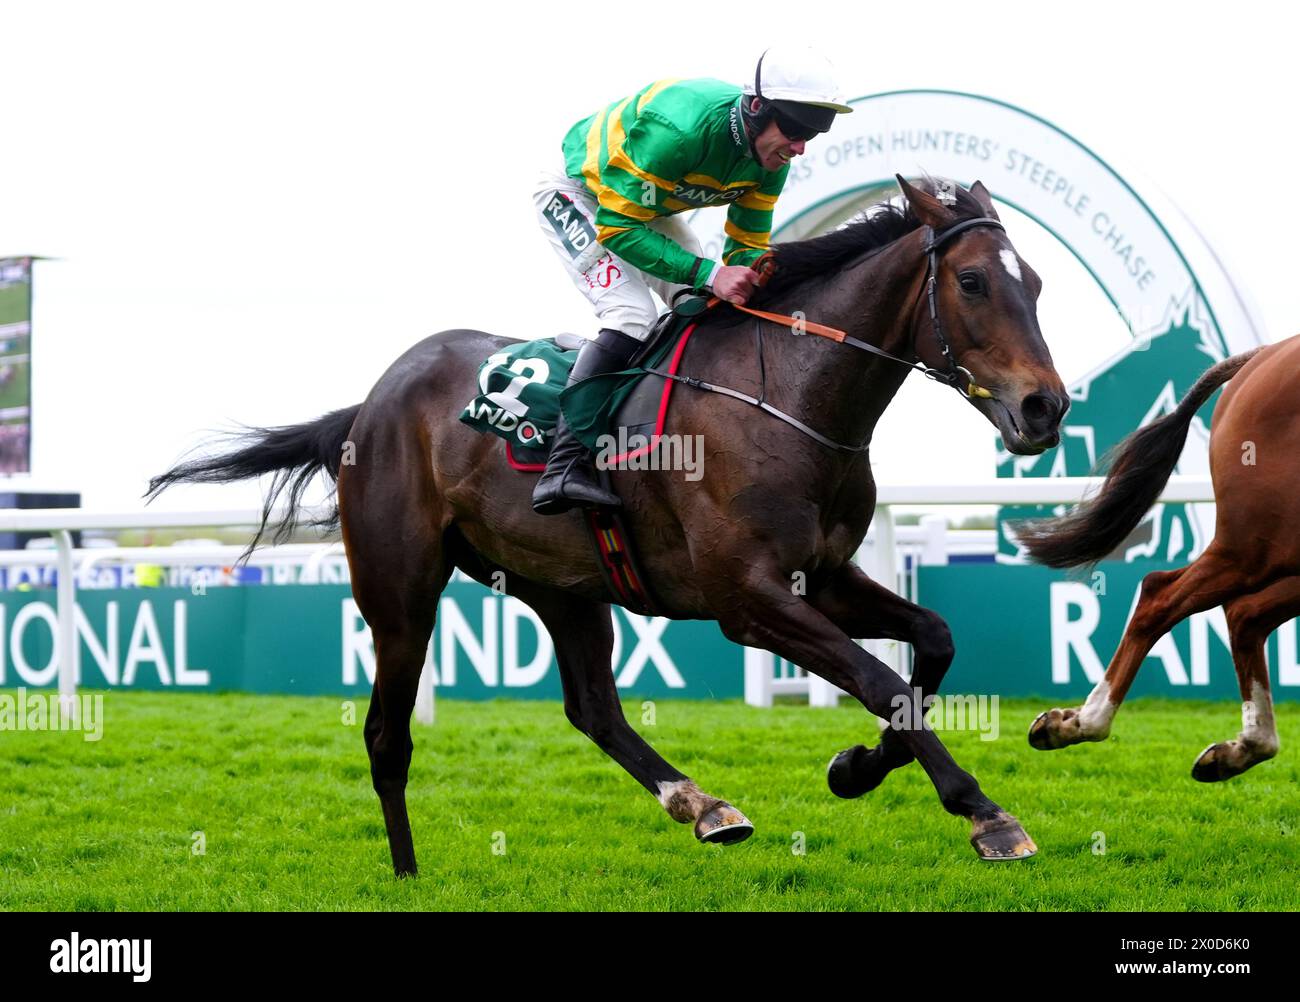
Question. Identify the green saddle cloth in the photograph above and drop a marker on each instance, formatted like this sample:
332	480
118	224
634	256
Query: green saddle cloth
523	388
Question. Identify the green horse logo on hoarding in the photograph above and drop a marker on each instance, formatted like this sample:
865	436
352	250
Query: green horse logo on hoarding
1142	384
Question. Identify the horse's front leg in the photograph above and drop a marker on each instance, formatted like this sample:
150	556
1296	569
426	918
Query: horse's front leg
866	610
759	610
582	633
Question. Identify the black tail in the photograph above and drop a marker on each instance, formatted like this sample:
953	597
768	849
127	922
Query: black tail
295	454
1140	467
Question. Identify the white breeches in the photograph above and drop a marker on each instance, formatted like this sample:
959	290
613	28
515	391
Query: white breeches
619	293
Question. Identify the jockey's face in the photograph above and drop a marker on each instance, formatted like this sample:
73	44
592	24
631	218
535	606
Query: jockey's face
773	148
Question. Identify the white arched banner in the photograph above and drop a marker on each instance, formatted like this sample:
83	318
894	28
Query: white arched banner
1182	308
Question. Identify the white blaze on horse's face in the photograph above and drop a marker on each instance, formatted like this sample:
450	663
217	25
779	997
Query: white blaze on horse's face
1011	263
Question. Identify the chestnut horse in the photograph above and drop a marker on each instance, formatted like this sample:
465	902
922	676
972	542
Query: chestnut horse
762	544
1251	567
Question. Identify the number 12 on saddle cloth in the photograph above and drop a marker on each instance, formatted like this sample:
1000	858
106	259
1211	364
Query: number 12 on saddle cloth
520	388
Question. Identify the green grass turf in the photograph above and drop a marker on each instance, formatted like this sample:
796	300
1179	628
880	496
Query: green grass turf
15	303
280	787
17	391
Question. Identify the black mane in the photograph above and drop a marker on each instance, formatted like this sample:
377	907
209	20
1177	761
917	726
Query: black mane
872	229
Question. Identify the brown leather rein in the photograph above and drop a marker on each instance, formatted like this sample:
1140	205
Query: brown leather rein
958	377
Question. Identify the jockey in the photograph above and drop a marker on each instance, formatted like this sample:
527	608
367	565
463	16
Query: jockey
611	213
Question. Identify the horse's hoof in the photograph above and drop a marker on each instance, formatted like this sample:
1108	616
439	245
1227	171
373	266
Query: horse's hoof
1045	732
999	839
1214	766
722	824
854	772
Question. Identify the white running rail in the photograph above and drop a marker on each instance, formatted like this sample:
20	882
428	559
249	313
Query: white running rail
761	684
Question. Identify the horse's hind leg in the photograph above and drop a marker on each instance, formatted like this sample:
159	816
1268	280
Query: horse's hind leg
400	645
592	705
866	610
1168	597
396	581
1251	619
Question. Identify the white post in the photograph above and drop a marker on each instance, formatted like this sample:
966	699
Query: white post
886	548
886	574
424	701
934	548
759	668
67	617
823	693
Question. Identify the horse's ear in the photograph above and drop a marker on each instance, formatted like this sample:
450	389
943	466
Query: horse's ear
984	198
925	206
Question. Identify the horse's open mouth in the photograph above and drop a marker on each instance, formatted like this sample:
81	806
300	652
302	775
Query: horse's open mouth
1013	439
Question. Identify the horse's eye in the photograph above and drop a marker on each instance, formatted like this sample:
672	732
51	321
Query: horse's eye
972	283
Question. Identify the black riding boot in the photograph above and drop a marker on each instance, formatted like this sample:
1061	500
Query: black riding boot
570	477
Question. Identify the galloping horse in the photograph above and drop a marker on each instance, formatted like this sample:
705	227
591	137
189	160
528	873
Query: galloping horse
1251	567
935	286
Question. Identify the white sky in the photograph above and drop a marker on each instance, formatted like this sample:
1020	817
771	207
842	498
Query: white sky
258	206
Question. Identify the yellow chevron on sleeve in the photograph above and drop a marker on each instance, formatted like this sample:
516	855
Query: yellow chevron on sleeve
655	88
616	134
758	241
732	256
757	200
713	182
676	205
605	232
615	202
591	166
619	159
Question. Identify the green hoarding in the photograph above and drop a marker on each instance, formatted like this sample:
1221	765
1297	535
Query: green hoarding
1018	630
310	639
1024	630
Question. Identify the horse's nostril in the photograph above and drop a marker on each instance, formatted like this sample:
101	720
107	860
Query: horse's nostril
1042	409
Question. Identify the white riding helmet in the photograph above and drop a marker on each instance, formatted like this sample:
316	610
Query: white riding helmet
793	75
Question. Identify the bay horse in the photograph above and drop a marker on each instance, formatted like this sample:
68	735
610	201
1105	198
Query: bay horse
762	544
1251	567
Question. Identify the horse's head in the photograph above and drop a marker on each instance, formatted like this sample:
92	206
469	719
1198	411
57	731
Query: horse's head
985	298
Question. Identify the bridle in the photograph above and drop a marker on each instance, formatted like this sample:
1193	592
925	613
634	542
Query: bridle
956	376
933	244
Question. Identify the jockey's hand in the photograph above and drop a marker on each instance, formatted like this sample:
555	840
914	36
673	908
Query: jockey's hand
735	284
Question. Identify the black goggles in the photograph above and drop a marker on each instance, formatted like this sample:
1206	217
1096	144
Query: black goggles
794	131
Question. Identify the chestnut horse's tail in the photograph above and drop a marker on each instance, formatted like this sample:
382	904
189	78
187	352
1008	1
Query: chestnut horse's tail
1140	468
293	453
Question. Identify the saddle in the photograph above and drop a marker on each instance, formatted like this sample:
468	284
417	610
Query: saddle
524	388
631	406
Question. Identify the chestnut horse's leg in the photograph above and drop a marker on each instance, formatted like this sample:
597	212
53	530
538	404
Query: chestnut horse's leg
583	635
1168	597
1251	619
866	610
761	611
